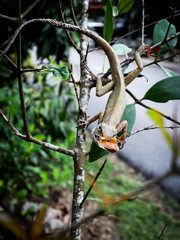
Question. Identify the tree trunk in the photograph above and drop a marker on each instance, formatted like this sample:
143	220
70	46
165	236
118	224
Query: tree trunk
80	156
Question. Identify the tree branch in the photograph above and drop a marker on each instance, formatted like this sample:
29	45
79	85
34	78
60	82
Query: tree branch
13	19
34	140
14	65
20	80
149	108
152	127
70	27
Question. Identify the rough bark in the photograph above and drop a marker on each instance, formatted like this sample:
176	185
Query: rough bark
80	154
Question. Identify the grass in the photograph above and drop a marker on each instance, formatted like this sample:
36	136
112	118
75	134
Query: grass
146	216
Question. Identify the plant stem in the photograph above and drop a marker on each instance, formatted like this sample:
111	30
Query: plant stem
80	156
20	80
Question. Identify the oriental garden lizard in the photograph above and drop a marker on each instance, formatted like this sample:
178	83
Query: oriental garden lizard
109	121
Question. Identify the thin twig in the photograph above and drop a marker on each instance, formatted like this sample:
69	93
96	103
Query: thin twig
161	60
14	65
134	31
152	127
9	18
93	183
55	23
162	232
73	14
147	186
20	80
34	140
67	32
75	88
143	17
31	70
147	107
29	8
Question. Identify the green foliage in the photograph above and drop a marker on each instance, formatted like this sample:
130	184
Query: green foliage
125	5
121	49
160	31
130	116
164	90
26	169
60	72
108	22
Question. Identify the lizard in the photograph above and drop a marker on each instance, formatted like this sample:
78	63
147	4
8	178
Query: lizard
109	121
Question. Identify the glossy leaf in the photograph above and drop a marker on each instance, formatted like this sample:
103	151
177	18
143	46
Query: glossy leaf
159	34
164	90
129	115
121	49
61	72
108	22
125	5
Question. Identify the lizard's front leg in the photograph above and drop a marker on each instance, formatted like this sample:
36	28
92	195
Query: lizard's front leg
122	127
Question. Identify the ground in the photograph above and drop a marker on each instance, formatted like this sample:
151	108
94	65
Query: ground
153	210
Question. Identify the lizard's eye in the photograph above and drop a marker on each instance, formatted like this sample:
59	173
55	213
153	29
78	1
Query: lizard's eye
100	128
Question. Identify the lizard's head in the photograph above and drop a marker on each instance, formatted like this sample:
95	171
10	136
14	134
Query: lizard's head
105	137
103	129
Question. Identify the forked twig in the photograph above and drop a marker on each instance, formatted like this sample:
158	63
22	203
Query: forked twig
67	32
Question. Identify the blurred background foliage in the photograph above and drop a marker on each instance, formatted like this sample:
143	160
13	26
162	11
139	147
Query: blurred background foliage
28	170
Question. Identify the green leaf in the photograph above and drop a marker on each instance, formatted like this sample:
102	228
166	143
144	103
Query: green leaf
159	34
121	49
61	72
168	72
164	90
108	22
96	152
125	5
130	116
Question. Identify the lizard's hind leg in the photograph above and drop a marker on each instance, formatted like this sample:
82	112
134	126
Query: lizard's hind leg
132	75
